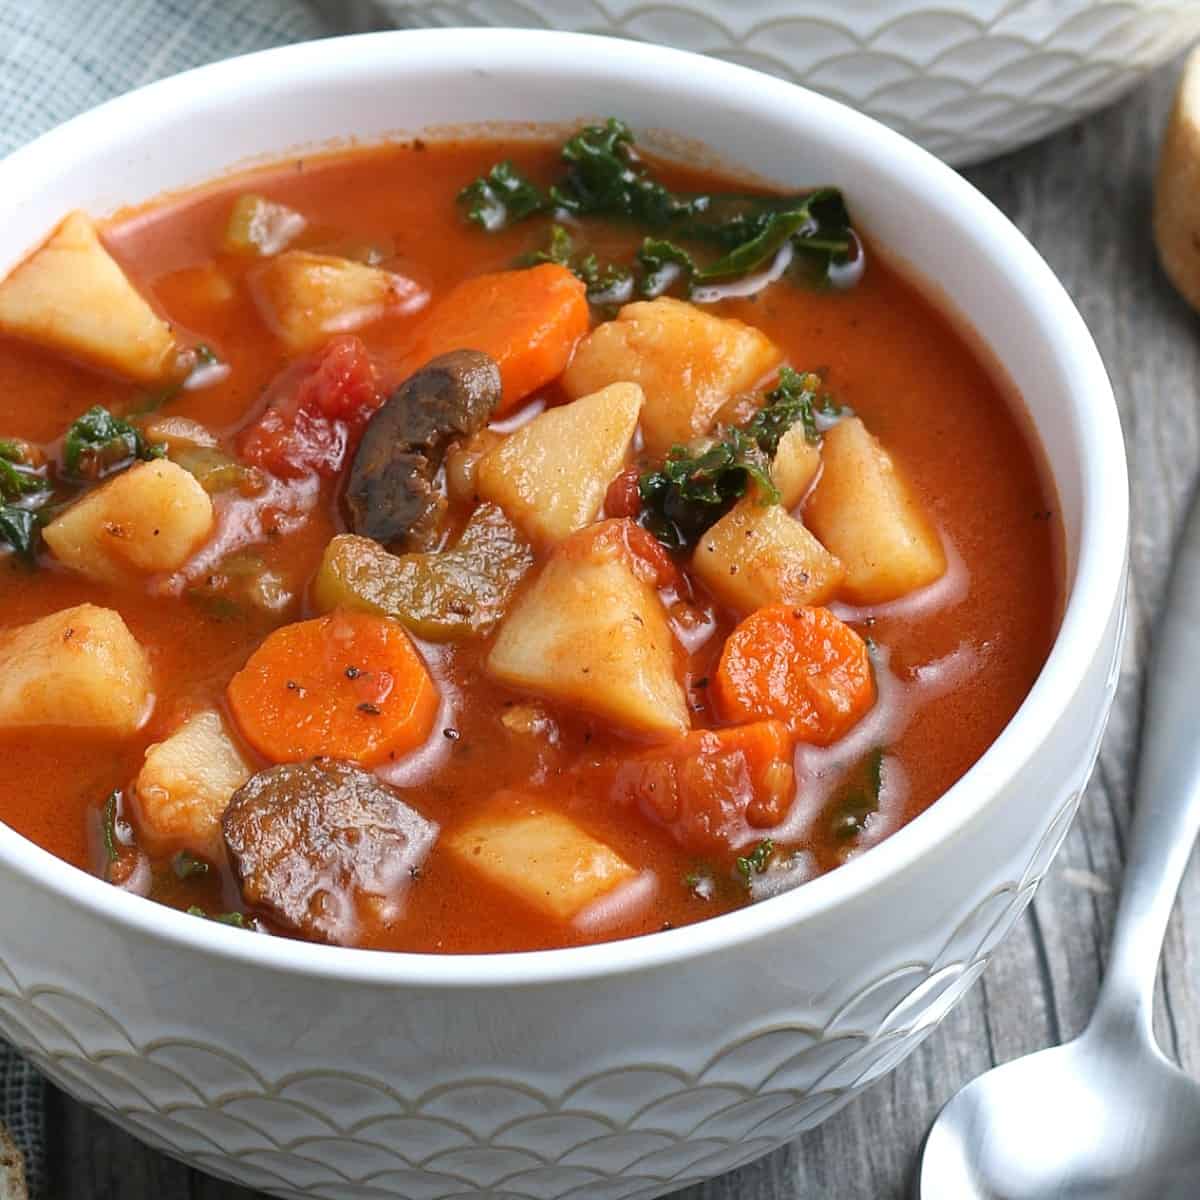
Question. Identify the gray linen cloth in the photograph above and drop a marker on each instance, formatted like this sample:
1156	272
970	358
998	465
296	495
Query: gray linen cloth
57	58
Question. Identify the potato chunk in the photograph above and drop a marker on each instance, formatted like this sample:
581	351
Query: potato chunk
185	785
688	362
76	669
591	631
541	857
307	297
794	466
757	555
550	475
72	296
865	513
150	518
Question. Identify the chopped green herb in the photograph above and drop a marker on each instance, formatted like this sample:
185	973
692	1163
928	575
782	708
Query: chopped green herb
797	397
186	865
690	492
604	176
108	826
501	198
18	481
606	284
19	530
97	444
848	813
23	491
19	477
236	919
662	263
817	224
755	863
560	249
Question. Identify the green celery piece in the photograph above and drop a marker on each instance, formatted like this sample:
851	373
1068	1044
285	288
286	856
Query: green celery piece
457	593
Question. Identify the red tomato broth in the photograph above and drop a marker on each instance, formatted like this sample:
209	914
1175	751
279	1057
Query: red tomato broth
889	354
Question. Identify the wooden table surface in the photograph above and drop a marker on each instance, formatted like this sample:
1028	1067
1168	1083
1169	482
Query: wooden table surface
1083	198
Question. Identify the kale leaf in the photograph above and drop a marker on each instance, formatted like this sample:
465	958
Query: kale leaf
19	530
688	493
796	397
19	477
108	826
606	284
23	491
848	813
97	444
662	265
604	176
501	198
692	491
16	481
752	229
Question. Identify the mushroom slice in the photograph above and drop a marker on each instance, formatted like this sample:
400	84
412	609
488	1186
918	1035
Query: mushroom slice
393	495
316	843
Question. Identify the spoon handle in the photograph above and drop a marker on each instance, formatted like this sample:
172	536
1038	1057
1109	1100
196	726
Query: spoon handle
1166	817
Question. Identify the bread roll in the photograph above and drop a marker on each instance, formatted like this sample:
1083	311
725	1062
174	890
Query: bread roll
1177	188
12	1170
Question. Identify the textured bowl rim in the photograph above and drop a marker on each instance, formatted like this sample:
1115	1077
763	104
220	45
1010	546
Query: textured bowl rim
1096	587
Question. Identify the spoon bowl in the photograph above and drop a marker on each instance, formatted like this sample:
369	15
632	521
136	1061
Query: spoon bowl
1105	1117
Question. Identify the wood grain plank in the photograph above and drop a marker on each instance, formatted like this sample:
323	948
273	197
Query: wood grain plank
1083	198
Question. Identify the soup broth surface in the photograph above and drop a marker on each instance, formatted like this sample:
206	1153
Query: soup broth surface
951	662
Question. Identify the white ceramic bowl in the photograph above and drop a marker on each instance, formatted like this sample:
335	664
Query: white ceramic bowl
620	1070
968	79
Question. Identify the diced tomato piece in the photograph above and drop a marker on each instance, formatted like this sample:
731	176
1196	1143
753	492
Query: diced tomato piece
316	409
623	538
292	447
342	384
624	497
713	788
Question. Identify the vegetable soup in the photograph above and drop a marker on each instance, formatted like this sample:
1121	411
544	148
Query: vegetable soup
476	546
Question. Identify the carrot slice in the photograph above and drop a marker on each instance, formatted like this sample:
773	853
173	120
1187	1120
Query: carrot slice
802	666
350	685
527	320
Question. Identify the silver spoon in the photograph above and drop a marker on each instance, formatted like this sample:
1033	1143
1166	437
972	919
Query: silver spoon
1107	1116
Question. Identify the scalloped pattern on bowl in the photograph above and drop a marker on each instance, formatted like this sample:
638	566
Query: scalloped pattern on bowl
637	1130
968	79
